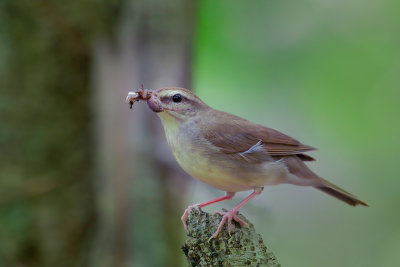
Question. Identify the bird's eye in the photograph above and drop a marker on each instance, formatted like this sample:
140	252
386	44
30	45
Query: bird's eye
177	98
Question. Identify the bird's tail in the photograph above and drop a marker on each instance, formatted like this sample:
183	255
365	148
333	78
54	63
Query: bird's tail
297	167
339	193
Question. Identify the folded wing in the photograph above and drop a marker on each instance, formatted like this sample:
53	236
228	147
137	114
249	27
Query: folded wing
252	142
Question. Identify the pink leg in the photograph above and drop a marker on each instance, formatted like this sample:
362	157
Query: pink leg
227	196
228	216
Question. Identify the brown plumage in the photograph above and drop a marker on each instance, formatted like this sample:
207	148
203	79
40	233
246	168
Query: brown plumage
233	134
236	135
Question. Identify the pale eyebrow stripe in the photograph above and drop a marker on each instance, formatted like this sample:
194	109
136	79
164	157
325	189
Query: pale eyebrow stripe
171	93
166	92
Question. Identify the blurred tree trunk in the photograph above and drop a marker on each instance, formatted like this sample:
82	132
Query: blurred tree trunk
46	196
49	51
139	187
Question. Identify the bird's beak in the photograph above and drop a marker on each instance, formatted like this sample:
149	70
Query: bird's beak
155	104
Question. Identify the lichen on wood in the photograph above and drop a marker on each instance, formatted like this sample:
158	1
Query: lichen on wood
243	247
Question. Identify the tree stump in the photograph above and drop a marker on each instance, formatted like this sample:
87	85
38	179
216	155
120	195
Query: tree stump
243	247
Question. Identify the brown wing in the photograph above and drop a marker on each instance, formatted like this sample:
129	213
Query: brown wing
237	135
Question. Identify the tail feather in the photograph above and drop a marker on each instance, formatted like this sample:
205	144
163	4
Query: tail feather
297	167
339	193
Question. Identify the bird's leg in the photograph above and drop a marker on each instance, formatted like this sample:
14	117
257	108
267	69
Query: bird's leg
229	215
227	196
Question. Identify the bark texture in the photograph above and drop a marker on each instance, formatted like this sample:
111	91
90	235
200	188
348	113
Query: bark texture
243	247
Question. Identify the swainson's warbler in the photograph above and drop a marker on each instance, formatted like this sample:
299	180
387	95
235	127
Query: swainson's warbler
231	153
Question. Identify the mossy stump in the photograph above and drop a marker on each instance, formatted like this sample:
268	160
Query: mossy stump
243	247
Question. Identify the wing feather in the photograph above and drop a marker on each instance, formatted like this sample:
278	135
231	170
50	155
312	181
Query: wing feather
239	136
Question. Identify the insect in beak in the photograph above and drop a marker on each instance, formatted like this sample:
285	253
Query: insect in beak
132	98
140	94
148	95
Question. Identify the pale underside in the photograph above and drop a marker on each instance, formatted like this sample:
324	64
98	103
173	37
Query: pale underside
238	155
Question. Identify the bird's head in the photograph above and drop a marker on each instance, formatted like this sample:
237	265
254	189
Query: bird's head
170	102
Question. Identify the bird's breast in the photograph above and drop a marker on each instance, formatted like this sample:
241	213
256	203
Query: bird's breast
203	161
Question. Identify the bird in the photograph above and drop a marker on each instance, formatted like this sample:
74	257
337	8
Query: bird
229	152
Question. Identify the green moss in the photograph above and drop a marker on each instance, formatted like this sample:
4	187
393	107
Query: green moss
243	247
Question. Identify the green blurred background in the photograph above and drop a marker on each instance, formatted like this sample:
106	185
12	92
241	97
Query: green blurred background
85	182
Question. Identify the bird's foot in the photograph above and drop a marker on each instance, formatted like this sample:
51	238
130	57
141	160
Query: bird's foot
227	216
185	214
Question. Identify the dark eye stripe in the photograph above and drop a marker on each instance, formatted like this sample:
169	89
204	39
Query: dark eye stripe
164	99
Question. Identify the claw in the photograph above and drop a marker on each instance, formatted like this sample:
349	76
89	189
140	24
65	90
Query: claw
185	214
227	216
228	195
